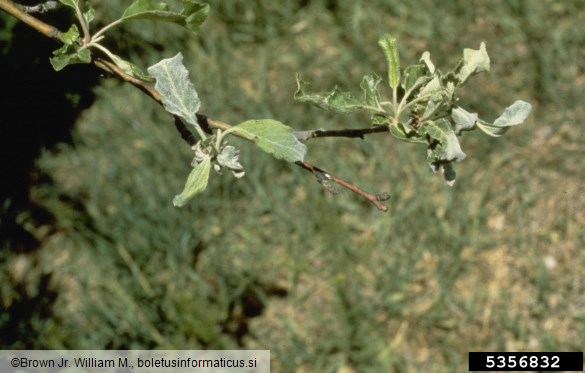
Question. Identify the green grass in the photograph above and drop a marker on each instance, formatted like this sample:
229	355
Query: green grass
494	263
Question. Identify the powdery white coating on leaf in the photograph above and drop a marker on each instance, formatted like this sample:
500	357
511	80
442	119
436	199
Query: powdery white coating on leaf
273	137
463	120
474	62
177	92
514	115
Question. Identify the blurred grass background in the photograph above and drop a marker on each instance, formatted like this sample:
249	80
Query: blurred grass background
271	261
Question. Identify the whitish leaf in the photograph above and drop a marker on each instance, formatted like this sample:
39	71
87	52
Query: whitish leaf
273	137
230	158
343	102
196	182
191	17
463	120
426	59
445	146
390	47
369	85
177	92
473	62
337	100
513	115
400	134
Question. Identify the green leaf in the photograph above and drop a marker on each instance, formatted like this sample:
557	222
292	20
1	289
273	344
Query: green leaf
70	36
177	92
273	137
513	115
196	182
130	68
89	14
192	16
69	54
70	3
390	47
473	62
336	100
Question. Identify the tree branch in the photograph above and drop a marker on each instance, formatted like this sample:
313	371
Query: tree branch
18	12
323	177
42	7
351	133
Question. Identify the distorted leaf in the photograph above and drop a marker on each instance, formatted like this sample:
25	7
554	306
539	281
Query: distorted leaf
473	62
369	85
177	92
513	115
196	182
342	102
70	36
229	157
426	59
69	54
390	47
463	120
89	14
400	134
443	145
412	76
273	137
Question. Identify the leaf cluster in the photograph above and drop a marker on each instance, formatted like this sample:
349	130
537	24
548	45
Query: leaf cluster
424	107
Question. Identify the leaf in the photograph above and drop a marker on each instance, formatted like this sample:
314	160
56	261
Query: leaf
336	100
70	3
70	36
463	120
89	14
69	54
426	59
513	115
400	134
473	62
130	68
369	85
273	137
230	159
192	16
177	92
446	145
196	182
413	74
390	47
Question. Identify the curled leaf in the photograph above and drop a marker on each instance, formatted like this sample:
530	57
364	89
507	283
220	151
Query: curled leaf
390	47
514	115
473	62
337	100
